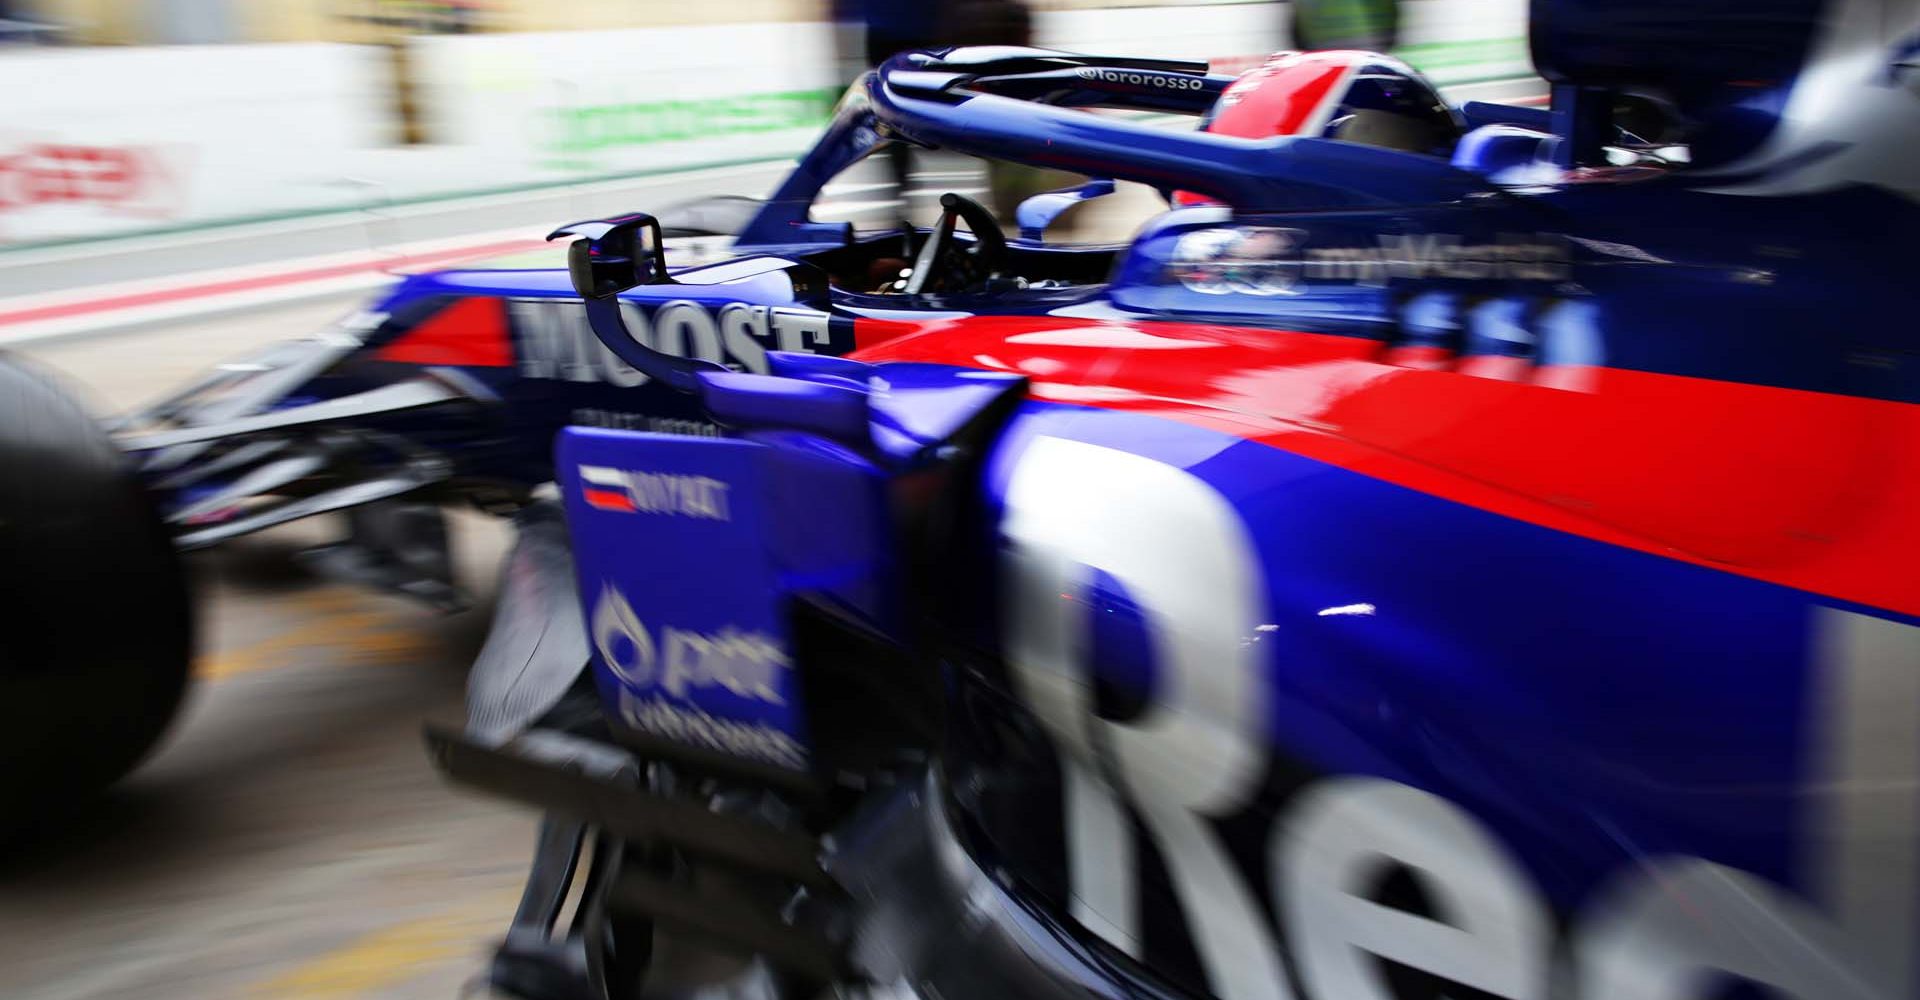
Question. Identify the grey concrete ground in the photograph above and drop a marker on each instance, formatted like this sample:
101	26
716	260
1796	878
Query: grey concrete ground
289	839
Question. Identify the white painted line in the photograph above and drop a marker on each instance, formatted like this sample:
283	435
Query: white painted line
375	215
854	188
91	310
395	256
853	207
123	319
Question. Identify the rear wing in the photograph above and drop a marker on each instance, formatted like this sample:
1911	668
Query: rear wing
1026	106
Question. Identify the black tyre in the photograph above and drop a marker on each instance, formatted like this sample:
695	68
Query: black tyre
96	627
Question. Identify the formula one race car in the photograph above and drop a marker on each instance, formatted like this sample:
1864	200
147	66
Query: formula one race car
449	388
1400	575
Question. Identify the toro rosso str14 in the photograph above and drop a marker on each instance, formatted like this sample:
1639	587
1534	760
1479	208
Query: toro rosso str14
449	390
1478	564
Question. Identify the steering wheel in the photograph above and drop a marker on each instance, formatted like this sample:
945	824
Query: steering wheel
944	264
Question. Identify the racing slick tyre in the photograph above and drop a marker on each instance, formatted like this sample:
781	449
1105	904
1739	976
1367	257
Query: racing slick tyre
96	628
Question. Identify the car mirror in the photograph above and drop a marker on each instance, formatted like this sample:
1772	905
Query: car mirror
613	255
1038	212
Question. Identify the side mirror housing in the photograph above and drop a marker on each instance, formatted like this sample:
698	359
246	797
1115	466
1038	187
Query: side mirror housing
1038	212
609	256
612	255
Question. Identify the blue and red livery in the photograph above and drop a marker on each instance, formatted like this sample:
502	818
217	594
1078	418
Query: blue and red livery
1391	574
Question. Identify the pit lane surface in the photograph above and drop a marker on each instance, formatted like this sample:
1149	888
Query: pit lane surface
289	839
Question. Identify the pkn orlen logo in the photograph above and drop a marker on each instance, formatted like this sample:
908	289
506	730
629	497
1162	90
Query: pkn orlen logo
629	491
747	663
667	687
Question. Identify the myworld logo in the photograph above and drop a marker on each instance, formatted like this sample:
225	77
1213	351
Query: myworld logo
1538	257
1270	260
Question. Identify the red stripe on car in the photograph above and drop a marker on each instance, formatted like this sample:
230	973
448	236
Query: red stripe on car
1810	490
471	332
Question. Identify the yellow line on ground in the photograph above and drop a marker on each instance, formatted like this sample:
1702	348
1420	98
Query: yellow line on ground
342	626
393	955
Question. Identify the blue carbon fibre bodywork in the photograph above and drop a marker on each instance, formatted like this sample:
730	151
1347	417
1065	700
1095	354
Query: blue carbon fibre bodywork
1502	662
1757	304
560	371
680	529
1593	709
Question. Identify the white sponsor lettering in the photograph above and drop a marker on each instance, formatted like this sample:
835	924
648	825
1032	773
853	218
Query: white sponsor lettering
1663	928
1165	81
744	329
799	329
1499	933
685	330
746	663
1436	255
619	420
639	492
554	340
1268	260
1197	752
686	724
